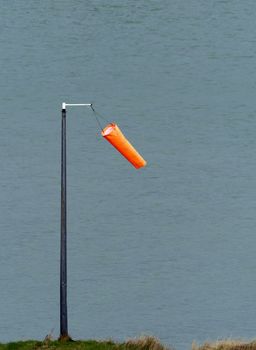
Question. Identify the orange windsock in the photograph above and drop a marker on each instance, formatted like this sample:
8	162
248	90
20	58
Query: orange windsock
117	139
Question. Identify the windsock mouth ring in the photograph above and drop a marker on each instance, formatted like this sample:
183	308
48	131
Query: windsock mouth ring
108	129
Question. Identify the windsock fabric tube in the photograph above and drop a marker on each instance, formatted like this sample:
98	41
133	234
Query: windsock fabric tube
114	135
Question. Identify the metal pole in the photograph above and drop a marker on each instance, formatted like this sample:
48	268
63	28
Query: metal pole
63	230
63	243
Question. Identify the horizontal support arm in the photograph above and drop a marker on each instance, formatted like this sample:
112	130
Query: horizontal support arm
64	105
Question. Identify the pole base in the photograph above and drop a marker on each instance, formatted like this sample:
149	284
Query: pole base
65	338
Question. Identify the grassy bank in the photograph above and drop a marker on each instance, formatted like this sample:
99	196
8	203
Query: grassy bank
143	343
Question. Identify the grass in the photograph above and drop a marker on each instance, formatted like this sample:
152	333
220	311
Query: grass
228	344
143	343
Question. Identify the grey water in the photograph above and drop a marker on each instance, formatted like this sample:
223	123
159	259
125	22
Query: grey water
168	250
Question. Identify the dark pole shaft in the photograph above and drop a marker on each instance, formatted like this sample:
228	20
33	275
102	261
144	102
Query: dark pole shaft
63	243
